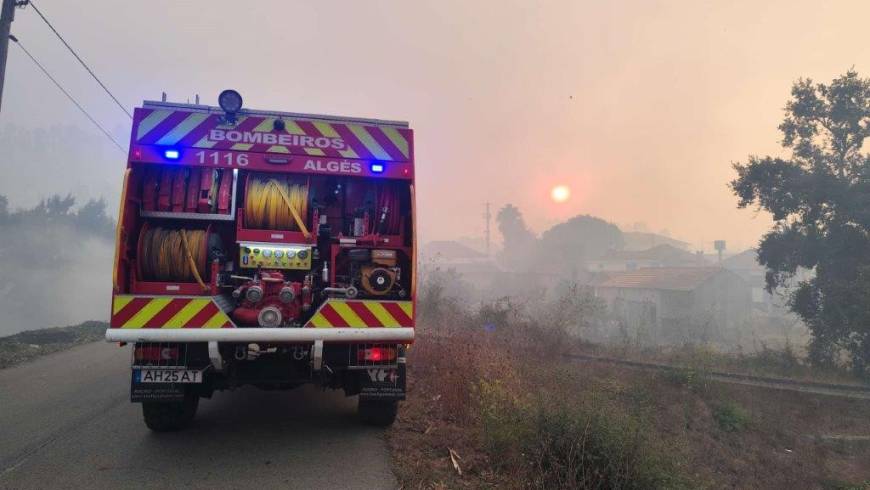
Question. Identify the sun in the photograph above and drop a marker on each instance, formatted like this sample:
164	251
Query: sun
560	193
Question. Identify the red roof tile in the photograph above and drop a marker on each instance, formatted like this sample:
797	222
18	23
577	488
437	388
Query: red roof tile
669	278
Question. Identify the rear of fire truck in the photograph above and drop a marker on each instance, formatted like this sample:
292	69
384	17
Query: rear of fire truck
264	248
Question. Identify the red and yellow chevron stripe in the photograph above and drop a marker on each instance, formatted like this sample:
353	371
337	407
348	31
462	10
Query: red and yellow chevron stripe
345	140
130	311
363	314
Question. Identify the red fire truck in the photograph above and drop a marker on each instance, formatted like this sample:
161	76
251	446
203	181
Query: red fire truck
264	248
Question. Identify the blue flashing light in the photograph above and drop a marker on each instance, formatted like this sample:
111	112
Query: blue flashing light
171	154
377	168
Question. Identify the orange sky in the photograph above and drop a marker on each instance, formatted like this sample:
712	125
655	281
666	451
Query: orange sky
638	107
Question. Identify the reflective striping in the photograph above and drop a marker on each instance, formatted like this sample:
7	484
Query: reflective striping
182	317
127	312
293	128
266	126
167	313
347	140
119	302
397	139
408	308
332	316
150	122
350	317
202	316
363	314
383	315
369	142
348	153
204	143
147	312
366	315
318	321
181	130
216	321
397	313
135	312
326	129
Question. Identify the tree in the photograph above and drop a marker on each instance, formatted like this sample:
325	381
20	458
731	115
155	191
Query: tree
4	208
579	239
92	217
519	241
55	206
819	198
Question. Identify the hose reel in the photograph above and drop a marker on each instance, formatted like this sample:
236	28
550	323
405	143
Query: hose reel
276	203
176	254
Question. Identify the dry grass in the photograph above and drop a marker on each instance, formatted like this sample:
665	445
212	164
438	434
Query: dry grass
493	390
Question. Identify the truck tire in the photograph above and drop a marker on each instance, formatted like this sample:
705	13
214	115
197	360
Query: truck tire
170	416
379	413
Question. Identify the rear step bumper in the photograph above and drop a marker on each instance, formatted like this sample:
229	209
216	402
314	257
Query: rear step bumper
402	334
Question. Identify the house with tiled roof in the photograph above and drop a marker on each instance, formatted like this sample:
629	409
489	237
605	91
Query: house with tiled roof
658	256
671	304
639	240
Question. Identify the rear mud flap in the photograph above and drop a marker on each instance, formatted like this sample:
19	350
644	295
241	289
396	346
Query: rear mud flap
383	383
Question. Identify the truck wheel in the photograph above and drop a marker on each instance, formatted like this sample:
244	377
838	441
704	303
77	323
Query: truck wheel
379	413
171	416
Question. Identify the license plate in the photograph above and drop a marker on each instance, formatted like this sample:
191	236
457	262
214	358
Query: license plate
167	376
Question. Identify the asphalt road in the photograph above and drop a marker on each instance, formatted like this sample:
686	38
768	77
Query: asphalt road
66	422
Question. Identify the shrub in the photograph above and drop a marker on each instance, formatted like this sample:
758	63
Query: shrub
560	444
731	417
692	378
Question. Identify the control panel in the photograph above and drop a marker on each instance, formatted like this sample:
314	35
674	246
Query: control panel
274	256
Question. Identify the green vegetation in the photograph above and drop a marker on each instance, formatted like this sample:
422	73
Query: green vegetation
819	199
591	444
564	246
31	344
731	417
493	404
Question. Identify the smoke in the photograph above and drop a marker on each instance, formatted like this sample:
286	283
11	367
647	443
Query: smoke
56	264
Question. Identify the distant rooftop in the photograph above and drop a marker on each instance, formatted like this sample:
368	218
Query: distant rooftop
667	278
748	259
660	253
640	240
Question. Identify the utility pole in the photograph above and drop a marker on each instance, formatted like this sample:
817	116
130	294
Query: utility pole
488	219
7	15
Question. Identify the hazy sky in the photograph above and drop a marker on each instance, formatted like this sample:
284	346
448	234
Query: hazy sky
638	107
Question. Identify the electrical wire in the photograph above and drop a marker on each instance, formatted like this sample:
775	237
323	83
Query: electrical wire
85	65
70	97
173	255
273	203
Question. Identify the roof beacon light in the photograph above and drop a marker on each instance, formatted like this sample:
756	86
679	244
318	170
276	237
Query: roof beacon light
171	154
377	168
231	102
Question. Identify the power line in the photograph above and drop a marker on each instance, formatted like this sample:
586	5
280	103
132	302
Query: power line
70	97
80	59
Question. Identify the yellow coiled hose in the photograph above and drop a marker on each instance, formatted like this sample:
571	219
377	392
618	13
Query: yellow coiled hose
273	203
173	255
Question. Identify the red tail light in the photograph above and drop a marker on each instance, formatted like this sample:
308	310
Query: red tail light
155	353
377	354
